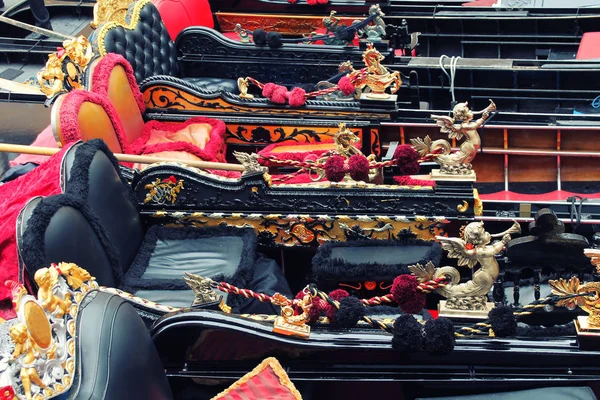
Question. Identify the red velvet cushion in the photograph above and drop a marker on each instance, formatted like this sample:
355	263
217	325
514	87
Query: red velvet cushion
589	47
268	381
480	3
179	14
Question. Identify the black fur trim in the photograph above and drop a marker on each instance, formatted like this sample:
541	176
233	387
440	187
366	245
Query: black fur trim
133	278
326	268
33	252
78	184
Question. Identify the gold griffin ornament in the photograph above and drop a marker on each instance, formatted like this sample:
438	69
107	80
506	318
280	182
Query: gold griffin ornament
64	69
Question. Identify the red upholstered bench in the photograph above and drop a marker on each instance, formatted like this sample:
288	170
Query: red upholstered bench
179	14
589	47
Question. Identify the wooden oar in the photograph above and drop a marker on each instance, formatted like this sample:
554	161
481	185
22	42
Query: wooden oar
17	87
34	28
49	151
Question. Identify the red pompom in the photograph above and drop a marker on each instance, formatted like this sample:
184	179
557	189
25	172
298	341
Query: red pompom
279	95
415	304
311	2
335	168
405	293
336	295
268	89
407	159
358	166
323	1
297	97
346	86
405	180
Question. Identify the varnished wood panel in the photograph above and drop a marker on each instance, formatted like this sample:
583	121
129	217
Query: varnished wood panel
489	167
578	169
285	24
531	169
531	139
584	140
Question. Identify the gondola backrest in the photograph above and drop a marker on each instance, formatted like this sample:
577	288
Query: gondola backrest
143	40
91	173
179	14
57	229
83	115
112	76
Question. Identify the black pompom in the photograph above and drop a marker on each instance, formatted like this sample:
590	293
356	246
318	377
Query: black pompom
350	312
346	34
259	36
274	40
408	335
439	336
503	321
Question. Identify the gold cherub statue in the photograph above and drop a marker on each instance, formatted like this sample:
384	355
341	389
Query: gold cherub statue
461	124
472	248
47	279
26	346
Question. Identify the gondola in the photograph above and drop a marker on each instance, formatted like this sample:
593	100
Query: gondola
202	347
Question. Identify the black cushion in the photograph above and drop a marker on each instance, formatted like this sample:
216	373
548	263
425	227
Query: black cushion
59	230
90	172
221	253
147	47
551	393
117	357
377	261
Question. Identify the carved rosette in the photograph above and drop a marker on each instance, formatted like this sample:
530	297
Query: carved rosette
42	363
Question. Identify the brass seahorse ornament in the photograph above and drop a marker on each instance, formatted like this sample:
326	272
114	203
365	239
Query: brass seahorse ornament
288	323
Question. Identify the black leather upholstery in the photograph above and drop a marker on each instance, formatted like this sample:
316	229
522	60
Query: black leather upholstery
214	84
97	182
147	47
67	237
117	358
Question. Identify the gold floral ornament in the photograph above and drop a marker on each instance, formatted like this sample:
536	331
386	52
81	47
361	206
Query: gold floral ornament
42	361
110	11
163	191
589	299
64	69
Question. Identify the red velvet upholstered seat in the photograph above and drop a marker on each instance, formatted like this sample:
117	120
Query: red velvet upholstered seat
589	47
113	111
179	14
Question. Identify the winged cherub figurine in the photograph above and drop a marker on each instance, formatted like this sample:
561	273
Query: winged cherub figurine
472	248
460	125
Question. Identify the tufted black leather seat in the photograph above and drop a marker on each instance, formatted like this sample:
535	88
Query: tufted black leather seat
146	44
117	358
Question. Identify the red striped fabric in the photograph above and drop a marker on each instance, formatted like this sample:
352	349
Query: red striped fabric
263	386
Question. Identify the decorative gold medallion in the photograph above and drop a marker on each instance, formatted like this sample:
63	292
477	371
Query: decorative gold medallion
163	191
42	363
